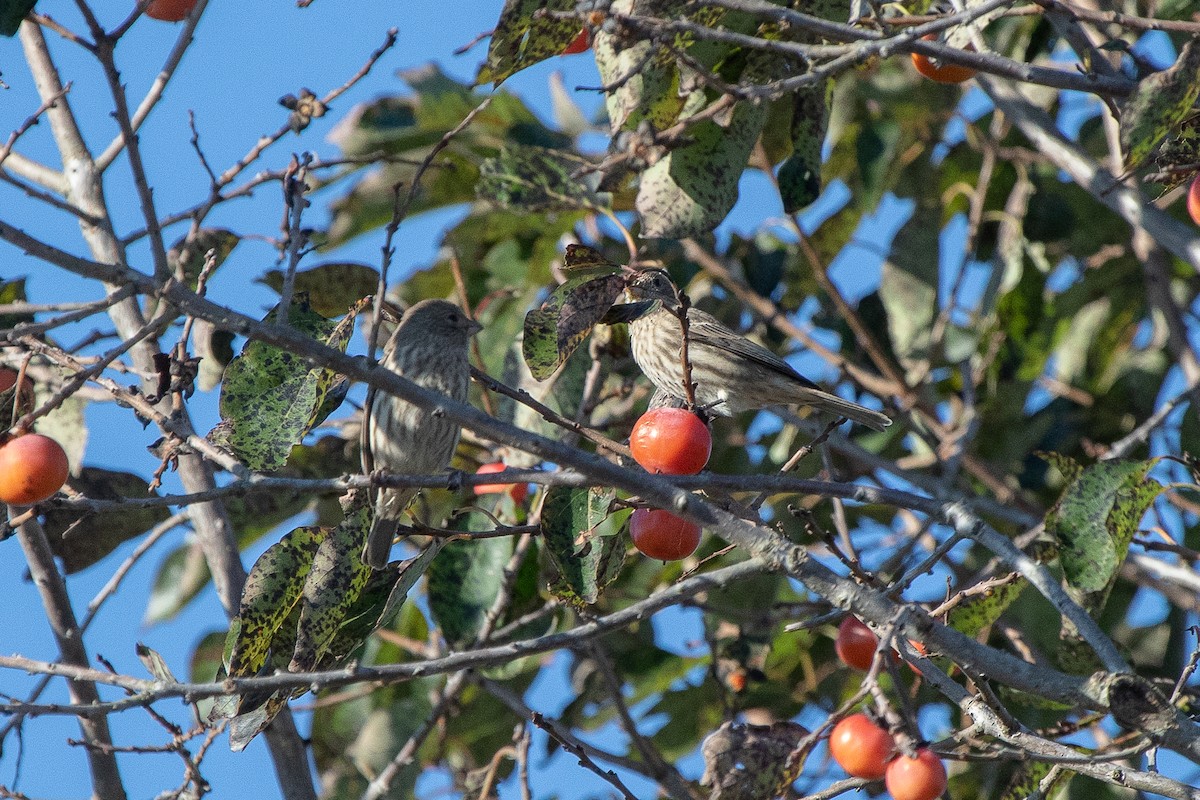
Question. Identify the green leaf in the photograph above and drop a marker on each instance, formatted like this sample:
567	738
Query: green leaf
407	128
381	597
332	287
273	590
587	559
691	189
553	331
245	726
206	663
154	663
538	179
1159	103
1096	519
11	292
909	284
66	424
311	600
464	582
875	150
646	81
522	38
384	731
568	116
800	175
180	577
1071	350
264	634
81	541
270	400
1027	781
1175	9
332	587
186	257
983	604
1094	522
11	14
214	348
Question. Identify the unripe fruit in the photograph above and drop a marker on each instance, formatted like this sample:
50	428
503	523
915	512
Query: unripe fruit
861	747
662	535
32	468
856	644
170	10
672	441
920	778
519	491
937	71
1193	201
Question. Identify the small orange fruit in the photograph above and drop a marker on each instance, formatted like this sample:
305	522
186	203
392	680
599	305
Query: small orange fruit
919	778
170	10
861	747
1193	201
855	643
32	468
937	71
671	441
519	491
662	535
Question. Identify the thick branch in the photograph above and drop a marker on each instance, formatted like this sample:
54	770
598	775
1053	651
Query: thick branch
213	528
106	778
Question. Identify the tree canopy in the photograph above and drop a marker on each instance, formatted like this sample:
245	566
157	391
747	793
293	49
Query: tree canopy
972	217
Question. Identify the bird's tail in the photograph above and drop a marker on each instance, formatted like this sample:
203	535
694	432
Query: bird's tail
379	542
844	408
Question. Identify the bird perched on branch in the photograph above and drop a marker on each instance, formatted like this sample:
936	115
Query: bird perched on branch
730	372
429	347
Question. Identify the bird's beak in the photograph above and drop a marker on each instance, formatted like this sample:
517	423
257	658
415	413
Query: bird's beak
473	327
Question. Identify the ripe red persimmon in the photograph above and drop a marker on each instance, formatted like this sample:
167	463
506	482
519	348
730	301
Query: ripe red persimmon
672	441
855	644
170	10
861	747
32	468
662	535
920	648
1193	201
936	70
519	491
581	42
920	778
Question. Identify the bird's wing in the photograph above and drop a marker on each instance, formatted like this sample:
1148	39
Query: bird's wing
705	329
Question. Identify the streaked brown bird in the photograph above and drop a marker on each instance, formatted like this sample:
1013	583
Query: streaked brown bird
731	373
429	347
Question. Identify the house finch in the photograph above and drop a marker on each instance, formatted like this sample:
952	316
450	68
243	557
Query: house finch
429	348
731	373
